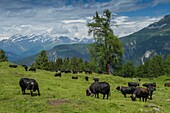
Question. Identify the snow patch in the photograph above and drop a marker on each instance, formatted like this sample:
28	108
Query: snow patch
146	55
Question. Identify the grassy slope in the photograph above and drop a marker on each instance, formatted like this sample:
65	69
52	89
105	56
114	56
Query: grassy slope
67	96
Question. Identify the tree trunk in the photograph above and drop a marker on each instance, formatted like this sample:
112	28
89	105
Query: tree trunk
108	68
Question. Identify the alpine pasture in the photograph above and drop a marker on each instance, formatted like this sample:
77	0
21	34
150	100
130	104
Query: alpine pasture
66	95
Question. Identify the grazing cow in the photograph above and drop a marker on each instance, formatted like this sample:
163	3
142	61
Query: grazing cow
167	84
75	71
13	66
140	93
100	72
96	79
29	84
65	71
58	74
32	69
74	77
88	72
133	84
126	90
98	87
80	71
26	67
86	78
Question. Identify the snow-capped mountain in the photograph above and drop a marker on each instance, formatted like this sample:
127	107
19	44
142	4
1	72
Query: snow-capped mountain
24	46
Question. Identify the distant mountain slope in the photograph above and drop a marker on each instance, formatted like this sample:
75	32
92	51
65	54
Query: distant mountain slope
61	51
154	39
24	46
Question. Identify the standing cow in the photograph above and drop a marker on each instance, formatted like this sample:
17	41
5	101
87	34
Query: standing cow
140	93
29	84
99	87
86	78
125	90
151	87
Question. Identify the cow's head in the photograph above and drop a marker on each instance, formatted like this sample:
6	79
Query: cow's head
31	86
88	92
133	97
118	88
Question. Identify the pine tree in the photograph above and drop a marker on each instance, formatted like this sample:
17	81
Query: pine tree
41	61
66	63
156	66
3	57
128	69
106	51
59	63
167	65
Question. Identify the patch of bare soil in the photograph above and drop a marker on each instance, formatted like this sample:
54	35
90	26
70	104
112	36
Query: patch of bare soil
57	102
18	74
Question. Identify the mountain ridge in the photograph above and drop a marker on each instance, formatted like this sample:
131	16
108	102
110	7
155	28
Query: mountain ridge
25	46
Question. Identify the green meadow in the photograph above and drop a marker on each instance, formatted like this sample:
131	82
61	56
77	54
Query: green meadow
65	95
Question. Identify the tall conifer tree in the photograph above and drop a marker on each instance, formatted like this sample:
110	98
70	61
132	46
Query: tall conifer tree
106	51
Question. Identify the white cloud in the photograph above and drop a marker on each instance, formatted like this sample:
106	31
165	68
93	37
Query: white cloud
128	25
54	17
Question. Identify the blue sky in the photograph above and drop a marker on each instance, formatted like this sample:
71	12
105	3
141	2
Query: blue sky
69	17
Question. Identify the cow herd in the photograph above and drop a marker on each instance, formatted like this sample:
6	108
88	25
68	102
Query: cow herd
134	89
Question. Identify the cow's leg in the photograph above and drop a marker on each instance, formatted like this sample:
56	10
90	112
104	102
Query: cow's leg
38	92
107	96
31	92
103	96
97	95
143	99
124	95
140	98
23	91
151	96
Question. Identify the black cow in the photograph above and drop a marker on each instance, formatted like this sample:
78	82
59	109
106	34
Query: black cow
99	87
29	84
96	79
151	87
75	71
74	77
26	67
58	74
100	72
125	90
133	84
152	84
140	93
88	72
167	84
86	78
32	69
13	66
66	71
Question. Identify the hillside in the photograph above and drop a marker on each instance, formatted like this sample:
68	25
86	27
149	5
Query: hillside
61	51
64	95
154	39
